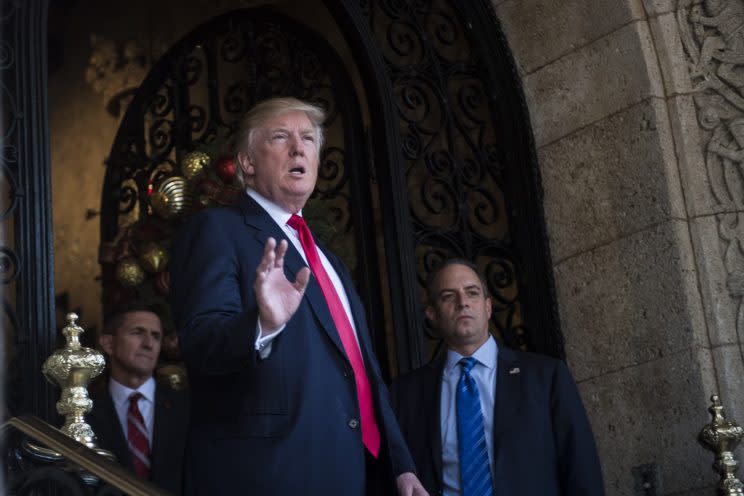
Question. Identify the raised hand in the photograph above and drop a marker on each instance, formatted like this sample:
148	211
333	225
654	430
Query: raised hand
277	297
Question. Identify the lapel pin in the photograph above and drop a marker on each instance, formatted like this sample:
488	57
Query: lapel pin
513	371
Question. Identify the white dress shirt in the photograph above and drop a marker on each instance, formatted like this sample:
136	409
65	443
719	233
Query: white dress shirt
484	374
120	395
281	217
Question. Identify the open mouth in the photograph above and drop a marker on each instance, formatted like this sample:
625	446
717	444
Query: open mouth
297	171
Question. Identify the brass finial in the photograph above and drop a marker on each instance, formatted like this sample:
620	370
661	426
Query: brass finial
72	368
72	331
721	436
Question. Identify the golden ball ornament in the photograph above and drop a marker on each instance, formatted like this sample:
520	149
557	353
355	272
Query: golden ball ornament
194	163
129	272
153	257
172	198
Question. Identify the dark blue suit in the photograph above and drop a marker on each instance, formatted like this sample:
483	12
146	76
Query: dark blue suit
542	441
283	425
169	431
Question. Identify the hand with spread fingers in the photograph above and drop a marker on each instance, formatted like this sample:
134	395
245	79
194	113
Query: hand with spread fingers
277	297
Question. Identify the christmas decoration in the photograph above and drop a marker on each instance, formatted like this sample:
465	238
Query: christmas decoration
225	169
129	273
153	257
172	198
161	283
193	164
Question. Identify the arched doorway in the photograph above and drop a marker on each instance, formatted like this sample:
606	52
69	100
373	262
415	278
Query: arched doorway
447	166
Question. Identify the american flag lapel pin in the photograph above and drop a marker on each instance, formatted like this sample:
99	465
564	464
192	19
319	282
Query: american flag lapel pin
514	371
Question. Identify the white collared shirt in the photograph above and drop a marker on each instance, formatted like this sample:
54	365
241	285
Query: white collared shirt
120	395
281	217
484	374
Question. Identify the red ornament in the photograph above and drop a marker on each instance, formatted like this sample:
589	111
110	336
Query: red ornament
225	169
209	187
161	283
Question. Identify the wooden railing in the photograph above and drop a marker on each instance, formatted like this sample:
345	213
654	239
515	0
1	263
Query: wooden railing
67	453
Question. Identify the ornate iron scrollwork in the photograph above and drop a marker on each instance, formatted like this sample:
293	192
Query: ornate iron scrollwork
455	154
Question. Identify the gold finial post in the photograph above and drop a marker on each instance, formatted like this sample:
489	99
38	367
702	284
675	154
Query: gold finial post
72	368
721	436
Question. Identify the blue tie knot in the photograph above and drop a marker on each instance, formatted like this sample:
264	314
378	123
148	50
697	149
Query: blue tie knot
468	364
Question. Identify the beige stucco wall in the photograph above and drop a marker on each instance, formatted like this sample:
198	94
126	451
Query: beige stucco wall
643	272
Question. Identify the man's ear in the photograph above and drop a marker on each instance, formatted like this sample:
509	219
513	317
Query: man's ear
488	307
106	341
429	312
246	164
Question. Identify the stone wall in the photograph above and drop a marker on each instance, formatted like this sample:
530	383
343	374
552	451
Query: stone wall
634	116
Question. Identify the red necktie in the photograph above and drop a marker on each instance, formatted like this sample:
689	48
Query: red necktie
370	432
139	446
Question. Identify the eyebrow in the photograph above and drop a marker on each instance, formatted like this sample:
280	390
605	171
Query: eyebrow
472	286
145	329
285	129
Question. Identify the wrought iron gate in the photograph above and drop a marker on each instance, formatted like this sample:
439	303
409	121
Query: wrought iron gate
453	143
451	152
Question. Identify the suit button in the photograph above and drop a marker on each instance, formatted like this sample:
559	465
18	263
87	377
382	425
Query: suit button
353	423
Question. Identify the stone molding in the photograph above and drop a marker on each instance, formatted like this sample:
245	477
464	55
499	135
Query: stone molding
712	34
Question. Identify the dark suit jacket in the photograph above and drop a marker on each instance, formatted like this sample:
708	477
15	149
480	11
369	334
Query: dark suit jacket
542	440
286	424
169	435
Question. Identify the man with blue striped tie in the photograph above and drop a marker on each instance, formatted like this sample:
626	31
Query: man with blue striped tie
482	419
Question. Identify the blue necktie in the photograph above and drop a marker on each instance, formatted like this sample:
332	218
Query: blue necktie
475	470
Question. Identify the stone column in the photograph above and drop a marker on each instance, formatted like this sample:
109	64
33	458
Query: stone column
641	167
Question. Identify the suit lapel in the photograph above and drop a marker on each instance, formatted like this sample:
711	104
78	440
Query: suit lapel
162	429
508	399
265	226
433	396
112	429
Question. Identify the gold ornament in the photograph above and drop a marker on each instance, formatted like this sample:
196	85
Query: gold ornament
172	198
205	201
194	164
129	273
153	257
173	375
72	368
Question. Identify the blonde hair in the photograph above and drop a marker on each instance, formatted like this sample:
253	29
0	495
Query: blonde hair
266	109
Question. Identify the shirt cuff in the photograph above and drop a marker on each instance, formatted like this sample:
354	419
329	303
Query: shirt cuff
263	343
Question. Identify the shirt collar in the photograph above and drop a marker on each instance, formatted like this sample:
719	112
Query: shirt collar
120	393
486	355
277	213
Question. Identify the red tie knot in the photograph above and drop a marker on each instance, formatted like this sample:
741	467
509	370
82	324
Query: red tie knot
296	222
134	400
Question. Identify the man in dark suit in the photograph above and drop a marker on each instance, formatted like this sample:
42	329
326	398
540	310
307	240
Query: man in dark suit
484	419
151	444
287	396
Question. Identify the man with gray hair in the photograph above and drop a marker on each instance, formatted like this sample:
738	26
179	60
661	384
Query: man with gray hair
287	396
